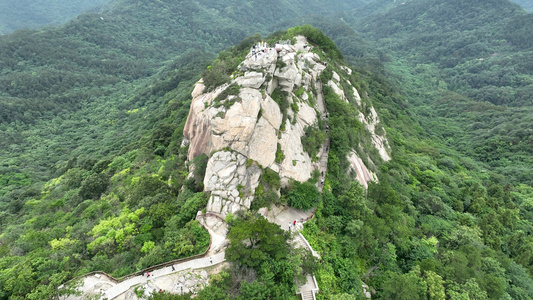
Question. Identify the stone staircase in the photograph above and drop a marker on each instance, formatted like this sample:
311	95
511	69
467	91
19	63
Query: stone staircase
308	290
308	295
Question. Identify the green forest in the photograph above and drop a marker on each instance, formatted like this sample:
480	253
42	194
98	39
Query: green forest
19	14
93	175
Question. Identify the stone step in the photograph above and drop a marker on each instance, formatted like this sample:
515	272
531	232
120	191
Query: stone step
308	295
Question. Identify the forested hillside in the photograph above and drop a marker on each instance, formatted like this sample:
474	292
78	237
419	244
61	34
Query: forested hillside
527	4
467	68
17	14
93	175
108	87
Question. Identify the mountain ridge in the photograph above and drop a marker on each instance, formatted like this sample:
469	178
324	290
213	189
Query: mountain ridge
438	221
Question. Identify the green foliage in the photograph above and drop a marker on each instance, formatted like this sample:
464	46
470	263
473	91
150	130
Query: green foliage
217	74
266	192
302	195
281	98
189	209
279	154
280	64
470	86
254	241
196	182
19	14
232	90
317	37
185	240
93	186
115	232
313	140
437	221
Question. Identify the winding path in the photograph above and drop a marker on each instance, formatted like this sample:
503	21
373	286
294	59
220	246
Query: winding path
107	287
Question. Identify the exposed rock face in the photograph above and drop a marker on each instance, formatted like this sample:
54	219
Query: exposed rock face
371	121
336	86
241	133
363	175
378	140
230	181
250	129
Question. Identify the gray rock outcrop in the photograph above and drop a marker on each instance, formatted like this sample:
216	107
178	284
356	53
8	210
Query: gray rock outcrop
250	129
241	133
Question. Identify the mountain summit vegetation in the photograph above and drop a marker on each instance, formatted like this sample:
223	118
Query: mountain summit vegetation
93	175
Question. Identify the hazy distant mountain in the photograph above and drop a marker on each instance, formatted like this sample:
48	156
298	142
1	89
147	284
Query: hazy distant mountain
17	14
527	4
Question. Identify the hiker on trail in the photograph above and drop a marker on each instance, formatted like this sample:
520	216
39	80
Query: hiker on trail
294	222
173	268
147	274
210	260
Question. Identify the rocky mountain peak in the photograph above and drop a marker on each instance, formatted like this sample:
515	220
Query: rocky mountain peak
257	121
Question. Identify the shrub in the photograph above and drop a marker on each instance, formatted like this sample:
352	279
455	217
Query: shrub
232	89
317	37
303	195
280	97
313	140
216	74
196	182
279	155
93	186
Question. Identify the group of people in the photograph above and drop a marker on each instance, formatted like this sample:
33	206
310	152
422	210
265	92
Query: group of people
261	48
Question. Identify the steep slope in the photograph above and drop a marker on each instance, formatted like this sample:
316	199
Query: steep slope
260	120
